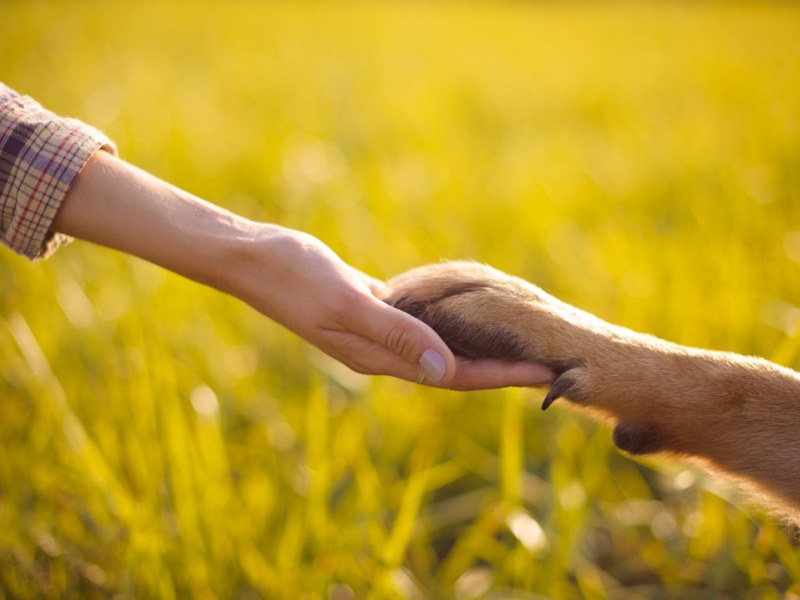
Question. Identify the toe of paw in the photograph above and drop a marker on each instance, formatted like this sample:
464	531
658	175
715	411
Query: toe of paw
637	438
571	384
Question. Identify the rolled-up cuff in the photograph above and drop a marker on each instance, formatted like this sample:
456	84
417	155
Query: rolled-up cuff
40	156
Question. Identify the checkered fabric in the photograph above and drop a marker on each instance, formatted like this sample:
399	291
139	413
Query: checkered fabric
40	156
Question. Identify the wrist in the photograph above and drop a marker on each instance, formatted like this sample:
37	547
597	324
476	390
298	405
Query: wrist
249	258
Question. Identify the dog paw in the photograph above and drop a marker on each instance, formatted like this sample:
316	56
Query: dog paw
470	306
480	312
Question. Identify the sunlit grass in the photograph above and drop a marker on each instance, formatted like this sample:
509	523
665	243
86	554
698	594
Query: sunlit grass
160	440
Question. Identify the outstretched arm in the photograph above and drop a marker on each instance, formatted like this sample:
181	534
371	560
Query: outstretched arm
287	275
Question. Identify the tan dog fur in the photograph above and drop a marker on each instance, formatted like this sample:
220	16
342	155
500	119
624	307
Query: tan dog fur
728	412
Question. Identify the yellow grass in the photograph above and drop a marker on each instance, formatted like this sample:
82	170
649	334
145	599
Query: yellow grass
159	440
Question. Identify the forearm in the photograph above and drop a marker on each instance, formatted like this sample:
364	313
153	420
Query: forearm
727	411
117	205
743	413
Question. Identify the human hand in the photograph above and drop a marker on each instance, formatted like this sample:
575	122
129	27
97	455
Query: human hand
287	275
299	282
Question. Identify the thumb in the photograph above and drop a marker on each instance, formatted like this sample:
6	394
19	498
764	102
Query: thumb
410	339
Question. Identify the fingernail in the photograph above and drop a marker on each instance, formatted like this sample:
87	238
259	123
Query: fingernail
433	365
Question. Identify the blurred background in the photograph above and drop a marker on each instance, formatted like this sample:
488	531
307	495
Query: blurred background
640	160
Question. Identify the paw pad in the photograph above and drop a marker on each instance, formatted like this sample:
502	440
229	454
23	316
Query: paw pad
637	439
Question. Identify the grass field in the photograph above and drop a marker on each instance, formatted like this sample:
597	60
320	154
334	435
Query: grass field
160	440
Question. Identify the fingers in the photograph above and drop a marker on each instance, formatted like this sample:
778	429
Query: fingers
410	339
366	356
410	349
369	357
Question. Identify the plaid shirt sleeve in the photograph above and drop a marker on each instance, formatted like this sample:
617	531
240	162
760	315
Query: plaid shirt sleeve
40	156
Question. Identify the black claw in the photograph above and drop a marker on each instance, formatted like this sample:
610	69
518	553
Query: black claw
560	387
551	396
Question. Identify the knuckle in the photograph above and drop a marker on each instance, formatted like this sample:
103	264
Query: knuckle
399	340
